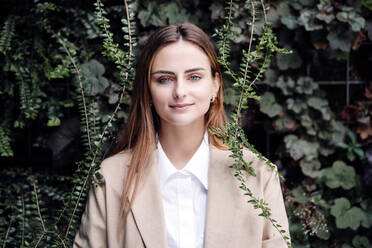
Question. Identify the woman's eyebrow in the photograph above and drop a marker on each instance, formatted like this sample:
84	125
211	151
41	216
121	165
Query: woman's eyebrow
172	73
163	72
194	69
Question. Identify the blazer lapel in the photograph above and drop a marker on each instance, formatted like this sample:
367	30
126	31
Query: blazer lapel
147	208
220	214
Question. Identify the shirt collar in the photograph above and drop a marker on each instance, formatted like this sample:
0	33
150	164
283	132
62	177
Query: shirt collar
197	165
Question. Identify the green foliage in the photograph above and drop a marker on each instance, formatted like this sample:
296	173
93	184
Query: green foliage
352	147
162	14
367	4
25	216
327	154
52	71
340	175
350	16
5	148
94	83
346	216
7	34
288	61
268	105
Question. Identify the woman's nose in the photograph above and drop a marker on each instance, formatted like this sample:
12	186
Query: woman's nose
179	90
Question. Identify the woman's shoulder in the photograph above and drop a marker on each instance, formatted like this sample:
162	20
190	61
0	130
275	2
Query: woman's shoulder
253	158
114	167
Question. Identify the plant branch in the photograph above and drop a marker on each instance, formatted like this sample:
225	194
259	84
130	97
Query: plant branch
81	88
7	233
264	11
247	62
38	242
38	208
23	221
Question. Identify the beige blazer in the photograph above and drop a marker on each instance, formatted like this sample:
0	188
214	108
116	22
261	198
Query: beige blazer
230	220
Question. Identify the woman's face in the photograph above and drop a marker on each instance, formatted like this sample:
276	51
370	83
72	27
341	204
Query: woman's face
181	84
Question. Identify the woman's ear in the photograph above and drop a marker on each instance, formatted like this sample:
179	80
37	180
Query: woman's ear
216	83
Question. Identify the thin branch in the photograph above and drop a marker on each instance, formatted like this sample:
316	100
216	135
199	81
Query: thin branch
7	233
78	200
63	242
81	88
264	11
23	221
247	62
38	208
41	237
94	118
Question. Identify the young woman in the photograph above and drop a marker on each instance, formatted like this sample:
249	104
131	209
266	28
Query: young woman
171	184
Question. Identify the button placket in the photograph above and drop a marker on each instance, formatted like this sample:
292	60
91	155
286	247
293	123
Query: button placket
186	215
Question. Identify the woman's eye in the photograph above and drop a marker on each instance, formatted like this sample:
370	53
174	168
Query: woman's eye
164	80
195	78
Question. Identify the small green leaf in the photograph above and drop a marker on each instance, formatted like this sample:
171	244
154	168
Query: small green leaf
361	242
54	122
268	105
340	175
288	61
347	217
310	168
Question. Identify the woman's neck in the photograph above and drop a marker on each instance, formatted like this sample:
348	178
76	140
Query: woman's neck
180	143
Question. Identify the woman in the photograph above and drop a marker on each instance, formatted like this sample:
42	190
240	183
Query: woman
170	184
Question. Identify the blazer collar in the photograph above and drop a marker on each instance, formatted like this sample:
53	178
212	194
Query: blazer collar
148	211
147	207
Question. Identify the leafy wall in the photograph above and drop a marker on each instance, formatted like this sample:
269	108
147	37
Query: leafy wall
51	52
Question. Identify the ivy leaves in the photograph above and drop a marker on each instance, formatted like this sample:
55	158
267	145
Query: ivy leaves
339	175
162	14
350	16
268	105
346	216
94	83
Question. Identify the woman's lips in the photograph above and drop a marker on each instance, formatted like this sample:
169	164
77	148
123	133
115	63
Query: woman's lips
180	105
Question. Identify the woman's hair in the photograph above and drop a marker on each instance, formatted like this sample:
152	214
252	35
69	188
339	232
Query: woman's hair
139	135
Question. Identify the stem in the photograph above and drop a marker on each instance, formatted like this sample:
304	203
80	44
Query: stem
38	209
23	221
247	63
94	118
63	242
7	233
41	237
77	202
264	11
81	88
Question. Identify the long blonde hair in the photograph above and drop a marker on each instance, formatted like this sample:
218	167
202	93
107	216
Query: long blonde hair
143	124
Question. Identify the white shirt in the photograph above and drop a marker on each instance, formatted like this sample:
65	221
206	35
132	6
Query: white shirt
184	195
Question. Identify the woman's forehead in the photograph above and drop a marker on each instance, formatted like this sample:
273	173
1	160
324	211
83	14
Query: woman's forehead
180	55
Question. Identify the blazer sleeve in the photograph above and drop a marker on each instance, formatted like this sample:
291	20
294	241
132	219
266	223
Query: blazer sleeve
92	232
274	197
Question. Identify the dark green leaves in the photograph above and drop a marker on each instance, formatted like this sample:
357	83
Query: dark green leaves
94	83
346	216
340	175
268	105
